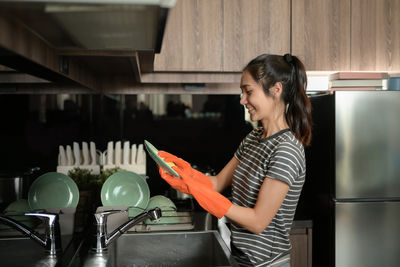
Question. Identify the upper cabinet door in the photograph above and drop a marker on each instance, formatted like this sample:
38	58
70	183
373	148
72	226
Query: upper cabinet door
193	37
375	35
223	35
321	34
254	27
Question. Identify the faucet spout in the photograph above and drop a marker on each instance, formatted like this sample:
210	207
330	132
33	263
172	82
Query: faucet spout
153	214
23	229
52	239
102	239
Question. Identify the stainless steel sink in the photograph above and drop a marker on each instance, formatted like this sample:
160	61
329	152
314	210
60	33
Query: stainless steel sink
205	248
22	251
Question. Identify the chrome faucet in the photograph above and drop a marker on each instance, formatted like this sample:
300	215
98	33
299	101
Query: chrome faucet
52	238
102	239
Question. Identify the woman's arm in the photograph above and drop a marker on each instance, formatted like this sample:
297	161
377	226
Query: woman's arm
225	176
270	197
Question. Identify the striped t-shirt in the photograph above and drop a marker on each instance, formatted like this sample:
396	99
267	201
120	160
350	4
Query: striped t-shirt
280	156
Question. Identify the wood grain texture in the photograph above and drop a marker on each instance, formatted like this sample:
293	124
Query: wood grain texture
309	247
6	69
125	85
298	254
321	34
192	38
15	77
18	39
41	89
301	252
254	27
192	77
375	35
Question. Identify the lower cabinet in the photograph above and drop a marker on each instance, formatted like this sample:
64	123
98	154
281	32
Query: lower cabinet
301	253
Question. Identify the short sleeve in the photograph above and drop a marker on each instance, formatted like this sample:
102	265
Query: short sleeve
240	151
285	164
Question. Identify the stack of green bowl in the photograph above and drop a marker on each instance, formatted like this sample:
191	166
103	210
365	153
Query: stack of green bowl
168	210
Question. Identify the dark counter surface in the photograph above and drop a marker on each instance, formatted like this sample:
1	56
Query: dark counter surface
302	224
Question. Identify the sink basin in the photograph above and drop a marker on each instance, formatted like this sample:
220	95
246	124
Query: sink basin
22	251
205	248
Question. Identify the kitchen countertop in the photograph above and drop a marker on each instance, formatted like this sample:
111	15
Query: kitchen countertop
302	224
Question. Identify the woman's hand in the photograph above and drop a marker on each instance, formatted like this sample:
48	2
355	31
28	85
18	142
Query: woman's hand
174	182
184	170
195	183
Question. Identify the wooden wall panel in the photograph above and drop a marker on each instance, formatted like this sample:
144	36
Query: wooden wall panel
193	37
375	35
321	34
254	27
18	39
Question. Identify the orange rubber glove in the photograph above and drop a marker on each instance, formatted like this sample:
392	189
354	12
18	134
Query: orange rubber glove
174	182
185	168
195	183
209	199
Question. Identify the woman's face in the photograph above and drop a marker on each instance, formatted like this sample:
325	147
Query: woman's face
259	105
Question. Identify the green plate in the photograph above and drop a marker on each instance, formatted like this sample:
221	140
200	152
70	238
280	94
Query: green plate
153	152
135	211
168	217
53	190
125	188
161	201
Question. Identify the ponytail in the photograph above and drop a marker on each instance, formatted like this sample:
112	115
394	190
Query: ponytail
298	114
290	71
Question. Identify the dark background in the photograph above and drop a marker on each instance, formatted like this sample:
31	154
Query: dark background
31	132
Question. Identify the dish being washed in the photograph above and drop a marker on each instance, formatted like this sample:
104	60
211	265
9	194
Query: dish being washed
153	152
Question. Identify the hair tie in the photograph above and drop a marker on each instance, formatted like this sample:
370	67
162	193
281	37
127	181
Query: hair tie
288	58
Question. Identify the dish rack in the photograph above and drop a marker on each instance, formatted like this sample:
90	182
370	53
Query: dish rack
185	222
85	157
127	157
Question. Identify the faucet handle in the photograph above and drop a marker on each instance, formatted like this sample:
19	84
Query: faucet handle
51	218
52	242
101	216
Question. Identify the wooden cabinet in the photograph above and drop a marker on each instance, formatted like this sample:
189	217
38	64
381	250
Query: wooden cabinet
301	253
193	37
223	35
337	35
328	35
321	34
254	27
375	35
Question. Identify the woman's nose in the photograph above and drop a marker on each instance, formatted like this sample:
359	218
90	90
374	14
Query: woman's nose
242	99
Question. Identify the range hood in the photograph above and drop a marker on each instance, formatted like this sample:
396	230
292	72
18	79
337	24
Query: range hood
76	25
88	44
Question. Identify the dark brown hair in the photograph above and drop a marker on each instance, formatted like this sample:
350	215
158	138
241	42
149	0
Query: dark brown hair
289	70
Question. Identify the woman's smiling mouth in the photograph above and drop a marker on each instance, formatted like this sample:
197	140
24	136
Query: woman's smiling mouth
250	109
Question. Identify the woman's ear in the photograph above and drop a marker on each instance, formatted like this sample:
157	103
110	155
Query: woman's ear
276	90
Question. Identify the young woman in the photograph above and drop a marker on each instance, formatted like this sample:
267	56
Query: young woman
267	171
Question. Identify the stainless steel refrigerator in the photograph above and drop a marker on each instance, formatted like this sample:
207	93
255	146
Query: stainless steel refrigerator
353	179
